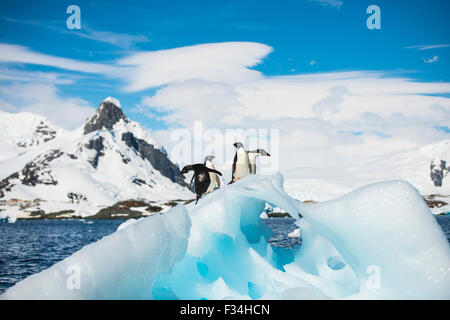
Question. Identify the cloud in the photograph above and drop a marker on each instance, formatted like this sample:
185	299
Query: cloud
313	62
323	119
316	114
30	76
328	106
44	99
120	40
8	107
428	46
227	62
10	53
431	60
329	3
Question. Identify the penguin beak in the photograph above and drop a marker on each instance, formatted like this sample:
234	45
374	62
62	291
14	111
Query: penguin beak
235	145
268	154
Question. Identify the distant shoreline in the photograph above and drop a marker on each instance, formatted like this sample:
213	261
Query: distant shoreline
135	209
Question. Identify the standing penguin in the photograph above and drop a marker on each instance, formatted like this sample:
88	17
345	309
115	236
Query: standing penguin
215	181
252	158
201	177
241	163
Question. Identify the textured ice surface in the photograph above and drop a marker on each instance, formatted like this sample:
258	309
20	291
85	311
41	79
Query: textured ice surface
380	241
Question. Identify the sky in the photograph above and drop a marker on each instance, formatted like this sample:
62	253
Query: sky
337	91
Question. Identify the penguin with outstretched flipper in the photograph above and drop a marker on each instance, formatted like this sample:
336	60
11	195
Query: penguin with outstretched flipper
241	164
201	177
252	158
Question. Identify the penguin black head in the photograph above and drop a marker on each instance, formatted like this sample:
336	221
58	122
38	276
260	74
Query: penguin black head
263	152
238	145
186	169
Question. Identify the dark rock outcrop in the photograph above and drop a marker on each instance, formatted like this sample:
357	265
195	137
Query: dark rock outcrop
107	115
7	183
97	145
45	132
438	172
124	210
157	158
42	134
35	172
76	197
435	201
141	182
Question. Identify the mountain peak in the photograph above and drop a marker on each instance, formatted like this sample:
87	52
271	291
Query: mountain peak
113	100
107	115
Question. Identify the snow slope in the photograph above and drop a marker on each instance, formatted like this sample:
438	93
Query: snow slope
378	242
414	166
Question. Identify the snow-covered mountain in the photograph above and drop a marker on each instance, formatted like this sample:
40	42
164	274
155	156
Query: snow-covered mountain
20	132
110	158
426	168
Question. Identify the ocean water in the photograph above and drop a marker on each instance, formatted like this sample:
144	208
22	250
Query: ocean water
28	247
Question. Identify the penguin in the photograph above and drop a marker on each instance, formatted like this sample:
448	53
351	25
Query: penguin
201	177
215	181
252	158
241	164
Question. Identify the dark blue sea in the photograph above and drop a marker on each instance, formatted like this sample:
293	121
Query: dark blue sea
28	247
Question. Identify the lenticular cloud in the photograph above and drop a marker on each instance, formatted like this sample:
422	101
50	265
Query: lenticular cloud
378	242
226	62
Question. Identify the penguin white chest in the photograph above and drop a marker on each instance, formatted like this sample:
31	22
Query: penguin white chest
242	164
252	161
212	177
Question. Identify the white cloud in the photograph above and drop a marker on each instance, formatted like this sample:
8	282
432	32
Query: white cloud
120	40
322	118
6	106
30	76
44	99
330	3
428	46
431	60
343	117
227	62
10	53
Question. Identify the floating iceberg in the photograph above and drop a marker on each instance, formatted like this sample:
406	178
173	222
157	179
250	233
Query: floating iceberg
378	242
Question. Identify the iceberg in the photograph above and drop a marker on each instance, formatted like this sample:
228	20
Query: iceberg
377	242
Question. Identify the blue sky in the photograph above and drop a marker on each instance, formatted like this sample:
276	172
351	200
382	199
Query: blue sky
305	37
300	31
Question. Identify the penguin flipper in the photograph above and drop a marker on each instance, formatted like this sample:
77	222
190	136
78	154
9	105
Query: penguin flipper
233	168
215	171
